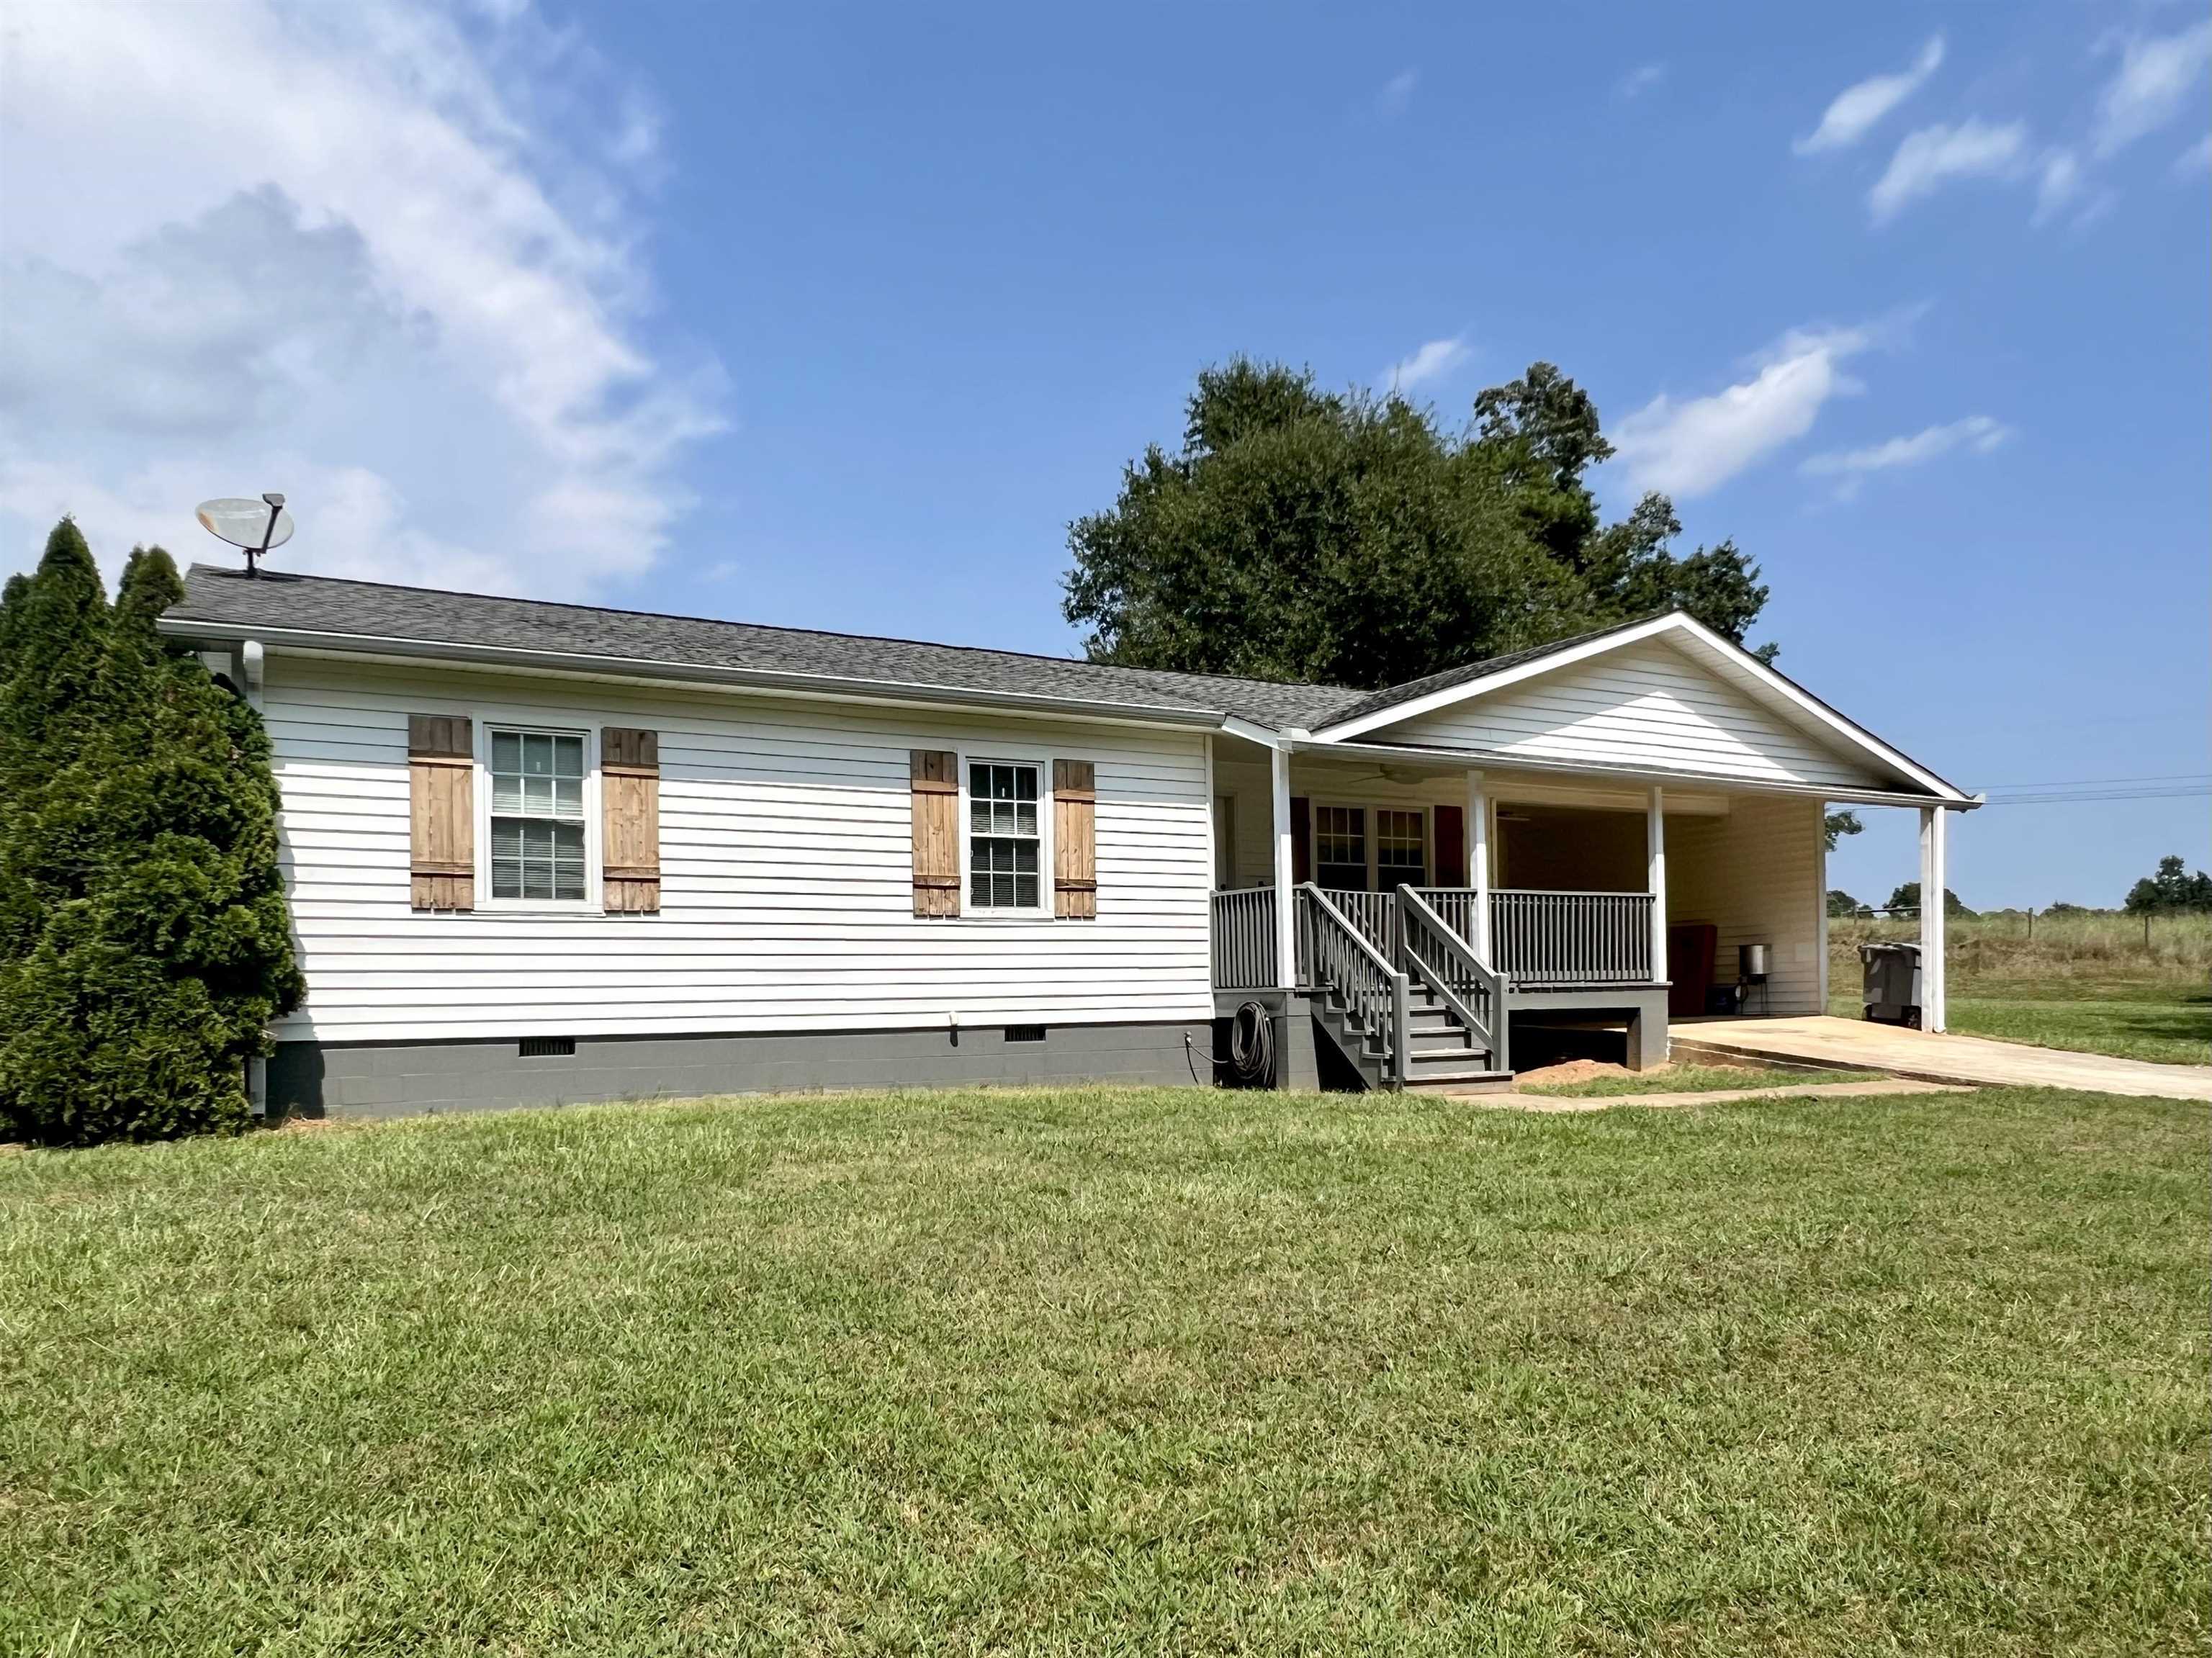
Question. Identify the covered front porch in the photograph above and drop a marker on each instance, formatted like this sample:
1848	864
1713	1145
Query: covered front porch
1428	907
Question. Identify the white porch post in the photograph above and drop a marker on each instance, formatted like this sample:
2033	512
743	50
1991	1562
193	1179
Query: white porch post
1286	947
1655	841
1478	860
1934	836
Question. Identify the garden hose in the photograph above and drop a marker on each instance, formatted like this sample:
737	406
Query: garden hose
1252	1045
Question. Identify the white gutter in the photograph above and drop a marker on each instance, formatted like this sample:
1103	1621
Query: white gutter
836	687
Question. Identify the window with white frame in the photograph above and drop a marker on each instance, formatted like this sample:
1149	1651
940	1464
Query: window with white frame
1341	847
1004	845
537	815
1400	858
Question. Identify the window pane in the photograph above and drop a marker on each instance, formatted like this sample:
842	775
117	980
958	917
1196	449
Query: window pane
1025	891
506	751
569	756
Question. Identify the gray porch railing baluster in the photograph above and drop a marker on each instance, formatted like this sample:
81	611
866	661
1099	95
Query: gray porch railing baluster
1372	913
1244	939
1566	937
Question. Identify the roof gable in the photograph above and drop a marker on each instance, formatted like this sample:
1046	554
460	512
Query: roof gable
1662	694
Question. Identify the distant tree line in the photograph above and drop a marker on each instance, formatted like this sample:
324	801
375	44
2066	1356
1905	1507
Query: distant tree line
2173	890
144	941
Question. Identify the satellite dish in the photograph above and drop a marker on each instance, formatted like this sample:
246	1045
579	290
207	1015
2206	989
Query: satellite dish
259	526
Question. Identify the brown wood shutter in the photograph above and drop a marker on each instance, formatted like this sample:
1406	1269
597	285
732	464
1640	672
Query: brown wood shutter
1074	840
629	806
1451	848
936	789
441	808
1301	841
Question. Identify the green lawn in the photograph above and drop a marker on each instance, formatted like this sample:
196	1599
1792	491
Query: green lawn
1686	1079
2159	1020
1118	1372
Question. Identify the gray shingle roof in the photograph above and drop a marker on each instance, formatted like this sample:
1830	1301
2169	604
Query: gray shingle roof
224	597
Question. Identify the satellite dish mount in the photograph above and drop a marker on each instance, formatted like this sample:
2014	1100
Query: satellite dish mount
259	526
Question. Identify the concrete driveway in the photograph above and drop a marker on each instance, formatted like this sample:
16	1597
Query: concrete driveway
1944	1058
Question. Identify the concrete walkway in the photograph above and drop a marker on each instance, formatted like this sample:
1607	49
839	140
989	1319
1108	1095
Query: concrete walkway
1976	1061
1518	1101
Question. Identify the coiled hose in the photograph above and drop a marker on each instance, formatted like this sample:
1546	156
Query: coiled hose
1252	1045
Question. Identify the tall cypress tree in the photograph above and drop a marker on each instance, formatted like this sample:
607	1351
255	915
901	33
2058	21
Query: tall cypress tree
162	947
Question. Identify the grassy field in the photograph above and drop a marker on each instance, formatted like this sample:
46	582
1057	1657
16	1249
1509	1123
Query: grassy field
1684	1079
1118	1372
2085	982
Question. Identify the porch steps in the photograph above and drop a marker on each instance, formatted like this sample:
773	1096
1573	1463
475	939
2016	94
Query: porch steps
1440	1057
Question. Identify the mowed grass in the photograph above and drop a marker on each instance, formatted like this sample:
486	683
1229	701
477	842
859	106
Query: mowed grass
1686	1079
1108	1371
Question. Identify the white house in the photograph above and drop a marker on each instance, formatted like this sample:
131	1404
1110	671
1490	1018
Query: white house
545	853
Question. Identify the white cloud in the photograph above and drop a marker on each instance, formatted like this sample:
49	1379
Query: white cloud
1936	155
1397	94
2195	160
2151	86
1857	109
1641	79
1978	434
399	280
1431	362
1691	448
2061	182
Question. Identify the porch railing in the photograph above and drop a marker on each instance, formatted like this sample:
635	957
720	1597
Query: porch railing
1440	956
1244	939
1335	953
1374	914
1571	938
1535	937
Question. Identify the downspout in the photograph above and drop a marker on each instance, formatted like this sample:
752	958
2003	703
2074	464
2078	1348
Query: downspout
250	668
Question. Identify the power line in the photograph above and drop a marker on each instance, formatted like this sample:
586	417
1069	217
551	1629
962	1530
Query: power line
2198	791
2086	782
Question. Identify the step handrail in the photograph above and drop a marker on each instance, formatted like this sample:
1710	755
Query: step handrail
1336	956
1420	930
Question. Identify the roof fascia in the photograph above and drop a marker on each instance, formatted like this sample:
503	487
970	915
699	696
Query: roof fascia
564	663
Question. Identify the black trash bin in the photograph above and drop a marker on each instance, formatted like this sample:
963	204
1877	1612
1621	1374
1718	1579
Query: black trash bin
1891	993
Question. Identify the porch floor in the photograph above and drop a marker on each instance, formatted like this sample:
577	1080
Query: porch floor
1943	1057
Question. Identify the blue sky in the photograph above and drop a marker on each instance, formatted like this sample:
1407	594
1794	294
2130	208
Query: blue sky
835	317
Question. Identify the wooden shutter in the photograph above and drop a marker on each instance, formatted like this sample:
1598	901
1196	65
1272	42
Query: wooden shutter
629	806
1074	840
936	789
1451	847
1301	841
441	773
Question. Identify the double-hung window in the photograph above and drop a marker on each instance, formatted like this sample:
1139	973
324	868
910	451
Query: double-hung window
1399	849
1005	846
538	816
1341	847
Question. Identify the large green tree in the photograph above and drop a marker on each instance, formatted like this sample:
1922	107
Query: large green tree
1301	534
147	943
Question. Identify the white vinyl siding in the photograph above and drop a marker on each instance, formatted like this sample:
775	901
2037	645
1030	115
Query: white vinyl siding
1755	875
786	869
1646	707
